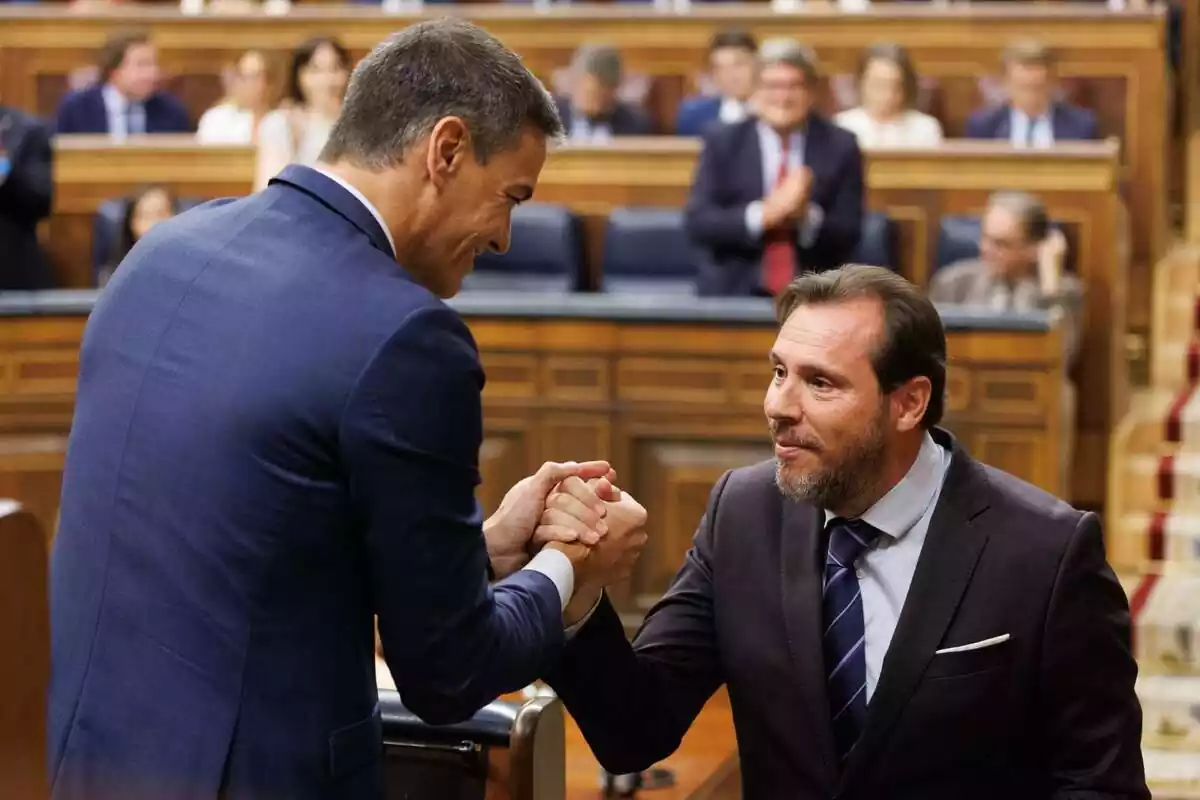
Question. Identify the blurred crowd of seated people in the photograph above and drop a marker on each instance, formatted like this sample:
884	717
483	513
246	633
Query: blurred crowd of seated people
778	186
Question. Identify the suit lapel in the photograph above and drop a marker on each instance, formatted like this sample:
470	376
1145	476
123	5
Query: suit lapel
753	159
802	562
951	550
1004	129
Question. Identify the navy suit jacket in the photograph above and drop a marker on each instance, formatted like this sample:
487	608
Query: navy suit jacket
626	120
84	112
729	176
26	192
696	114
1070	123
276	436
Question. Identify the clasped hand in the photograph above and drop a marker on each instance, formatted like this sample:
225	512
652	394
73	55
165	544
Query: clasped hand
577	509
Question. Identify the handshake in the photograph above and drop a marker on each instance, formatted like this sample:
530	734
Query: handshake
577	509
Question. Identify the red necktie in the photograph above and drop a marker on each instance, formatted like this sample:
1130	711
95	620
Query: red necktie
779	254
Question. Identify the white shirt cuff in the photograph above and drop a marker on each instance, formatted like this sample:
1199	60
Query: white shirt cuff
812	225
574	629
559	569
754	219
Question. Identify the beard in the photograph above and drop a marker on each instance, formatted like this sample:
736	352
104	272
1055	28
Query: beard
838	484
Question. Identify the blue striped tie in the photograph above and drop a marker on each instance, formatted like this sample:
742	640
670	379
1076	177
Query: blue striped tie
845	640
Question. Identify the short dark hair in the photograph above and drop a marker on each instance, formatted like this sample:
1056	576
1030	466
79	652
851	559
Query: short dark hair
601	61
302	54
430	70
1027	208
914	339
1028	53
897	55
732	38
116	46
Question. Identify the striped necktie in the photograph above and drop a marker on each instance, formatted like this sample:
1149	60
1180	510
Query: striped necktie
845	639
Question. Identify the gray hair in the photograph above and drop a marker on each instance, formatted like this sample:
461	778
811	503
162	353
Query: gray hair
600	61
1025	207
431	70
790	52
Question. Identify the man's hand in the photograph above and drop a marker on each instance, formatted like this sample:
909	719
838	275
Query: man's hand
787	200
509	530
1052	252
606	563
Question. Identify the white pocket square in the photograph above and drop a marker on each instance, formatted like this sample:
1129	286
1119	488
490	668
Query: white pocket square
962	648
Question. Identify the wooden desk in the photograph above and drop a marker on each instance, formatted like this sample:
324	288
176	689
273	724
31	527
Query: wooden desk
1113	63
916	188
671	393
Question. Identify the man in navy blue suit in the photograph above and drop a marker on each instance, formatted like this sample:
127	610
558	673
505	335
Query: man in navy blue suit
1031	117
731	63
127	99
777	194
276	440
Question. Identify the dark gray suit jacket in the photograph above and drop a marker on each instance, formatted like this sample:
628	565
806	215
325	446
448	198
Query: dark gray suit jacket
1051	713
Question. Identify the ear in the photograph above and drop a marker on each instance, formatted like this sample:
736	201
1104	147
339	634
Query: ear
449	147
910	400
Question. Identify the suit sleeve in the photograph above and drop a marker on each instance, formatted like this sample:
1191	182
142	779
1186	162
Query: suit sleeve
975	128
411	434
1093	721
66	116
635	703
840	225
29	187
709	222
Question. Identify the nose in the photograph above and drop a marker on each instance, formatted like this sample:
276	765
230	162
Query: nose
501	244
781	405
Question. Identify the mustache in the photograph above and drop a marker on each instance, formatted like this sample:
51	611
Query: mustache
784	435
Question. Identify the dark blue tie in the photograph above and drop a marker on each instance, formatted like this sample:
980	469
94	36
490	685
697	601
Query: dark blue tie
845	640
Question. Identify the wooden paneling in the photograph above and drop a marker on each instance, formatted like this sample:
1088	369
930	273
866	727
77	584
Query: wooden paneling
1114	63
672	405
1079	184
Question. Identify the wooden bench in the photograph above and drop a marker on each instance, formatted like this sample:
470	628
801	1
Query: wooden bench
671	393
24	654
1079	184
1110	62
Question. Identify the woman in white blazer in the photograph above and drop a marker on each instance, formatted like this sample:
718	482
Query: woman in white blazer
887	94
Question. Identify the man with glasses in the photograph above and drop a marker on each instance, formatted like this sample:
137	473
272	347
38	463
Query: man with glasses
780	193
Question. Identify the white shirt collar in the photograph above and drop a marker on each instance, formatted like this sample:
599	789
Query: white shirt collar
369	205
901	508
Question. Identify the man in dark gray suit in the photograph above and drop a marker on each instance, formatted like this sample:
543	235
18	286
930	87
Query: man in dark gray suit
892	618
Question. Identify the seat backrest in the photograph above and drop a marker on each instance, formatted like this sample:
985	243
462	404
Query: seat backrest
958	238
547	241
24	654
511	750
647	250
877	244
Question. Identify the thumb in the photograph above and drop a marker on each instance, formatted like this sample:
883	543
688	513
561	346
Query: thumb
552	472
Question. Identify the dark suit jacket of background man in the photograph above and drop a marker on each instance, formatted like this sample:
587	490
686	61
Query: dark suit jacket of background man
1069	123
625	120
276	436
84	112
1051	713
729	176
25	198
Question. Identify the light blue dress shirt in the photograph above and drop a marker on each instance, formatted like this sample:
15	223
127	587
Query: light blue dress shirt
124	116
772	156
1035	132
885	572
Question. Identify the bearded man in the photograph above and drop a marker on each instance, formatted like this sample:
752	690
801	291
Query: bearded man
892	618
